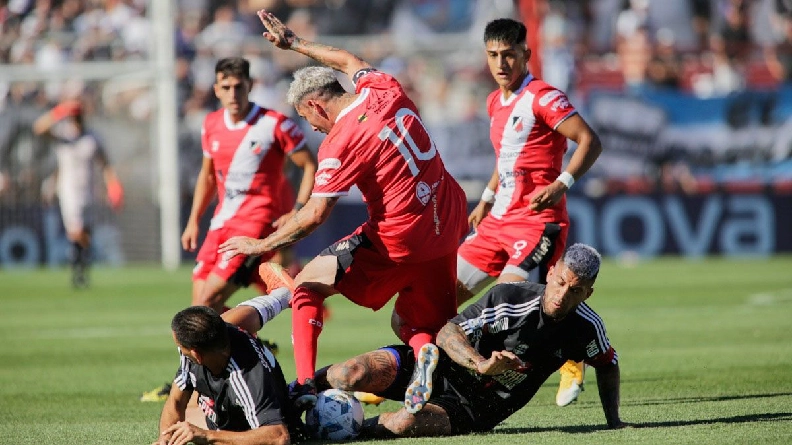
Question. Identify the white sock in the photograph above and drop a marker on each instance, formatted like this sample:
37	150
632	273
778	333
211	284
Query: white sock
269	306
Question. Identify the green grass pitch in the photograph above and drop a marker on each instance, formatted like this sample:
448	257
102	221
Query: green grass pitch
705	349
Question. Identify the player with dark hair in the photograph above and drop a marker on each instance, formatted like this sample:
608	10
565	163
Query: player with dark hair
244	148
376	141
521	222
77	150
240	385
495	355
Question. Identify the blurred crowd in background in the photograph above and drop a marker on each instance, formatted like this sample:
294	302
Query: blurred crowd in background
702	48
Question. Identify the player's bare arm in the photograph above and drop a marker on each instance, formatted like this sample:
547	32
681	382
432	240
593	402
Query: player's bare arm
173	412
608	384
487	200
205	189
284	38
305	160
456	345
371	372
587	152
305	221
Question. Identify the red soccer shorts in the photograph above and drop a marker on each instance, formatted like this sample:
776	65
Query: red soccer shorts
427	289
241	270
514	246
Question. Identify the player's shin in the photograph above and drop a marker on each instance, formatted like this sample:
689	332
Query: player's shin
307	322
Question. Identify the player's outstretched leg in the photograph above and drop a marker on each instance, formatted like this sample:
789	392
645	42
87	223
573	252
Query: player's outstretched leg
571	384
420	390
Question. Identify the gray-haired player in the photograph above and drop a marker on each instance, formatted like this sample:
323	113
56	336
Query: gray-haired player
495	355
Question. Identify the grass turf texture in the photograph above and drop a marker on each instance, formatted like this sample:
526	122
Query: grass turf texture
704	348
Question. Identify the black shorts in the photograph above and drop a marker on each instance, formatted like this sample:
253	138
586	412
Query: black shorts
467	413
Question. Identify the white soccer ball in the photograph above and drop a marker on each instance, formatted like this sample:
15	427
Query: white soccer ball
338	415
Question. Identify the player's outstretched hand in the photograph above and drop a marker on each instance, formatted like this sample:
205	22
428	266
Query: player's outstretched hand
277	33
115	195
239	245
498	363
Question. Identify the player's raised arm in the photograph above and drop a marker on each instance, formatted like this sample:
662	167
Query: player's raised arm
284	38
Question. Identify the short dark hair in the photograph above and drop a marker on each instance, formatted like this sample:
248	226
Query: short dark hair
583	260
233	66
508	31
200	328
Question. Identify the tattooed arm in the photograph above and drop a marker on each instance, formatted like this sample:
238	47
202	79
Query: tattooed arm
454	342
305	221
284	38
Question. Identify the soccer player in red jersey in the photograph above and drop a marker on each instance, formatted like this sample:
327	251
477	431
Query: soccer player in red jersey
417	211
244	147
521	222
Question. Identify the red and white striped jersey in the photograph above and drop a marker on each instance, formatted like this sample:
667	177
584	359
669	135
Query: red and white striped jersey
416	209
248	159
528	149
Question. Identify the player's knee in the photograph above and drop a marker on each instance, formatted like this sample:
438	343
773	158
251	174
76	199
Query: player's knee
212	300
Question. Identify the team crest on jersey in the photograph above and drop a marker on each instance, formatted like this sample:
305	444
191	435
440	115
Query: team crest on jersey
517	124
255	147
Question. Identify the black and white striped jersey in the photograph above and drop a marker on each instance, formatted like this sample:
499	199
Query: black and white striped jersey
509	317
251	392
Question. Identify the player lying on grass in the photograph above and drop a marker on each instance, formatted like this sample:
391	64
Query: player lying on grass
494	356
240	385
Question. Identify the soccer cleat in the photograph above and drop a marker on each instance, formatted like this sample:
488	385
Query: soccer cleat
571	384
303	395
275	276
159	394
368	398
420	390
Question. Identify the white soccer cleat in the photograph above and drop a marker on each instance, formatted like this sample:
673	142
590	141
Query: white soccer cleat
572	374
420	390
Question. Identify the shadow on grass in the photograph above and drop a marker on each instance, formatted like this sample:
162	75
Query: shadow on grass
678	400
577	429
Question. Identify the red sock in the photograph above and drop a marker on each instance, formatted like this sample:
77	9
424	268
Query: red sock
419	339
307	323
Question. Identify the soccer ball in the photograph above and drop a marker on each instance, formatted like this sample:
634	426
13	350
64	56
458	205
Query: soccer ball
338	415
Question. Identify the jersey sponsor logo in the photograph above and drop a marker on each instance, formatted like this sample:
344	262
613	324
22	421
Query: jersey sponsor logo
255	147
510	378
329	163
207	405
592	349
501	324
215	146
322	178
520	349
548	97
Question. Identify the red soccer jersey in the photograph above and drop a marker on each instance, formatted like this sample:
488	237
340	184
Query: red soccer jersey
417	211
248	160
528	150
